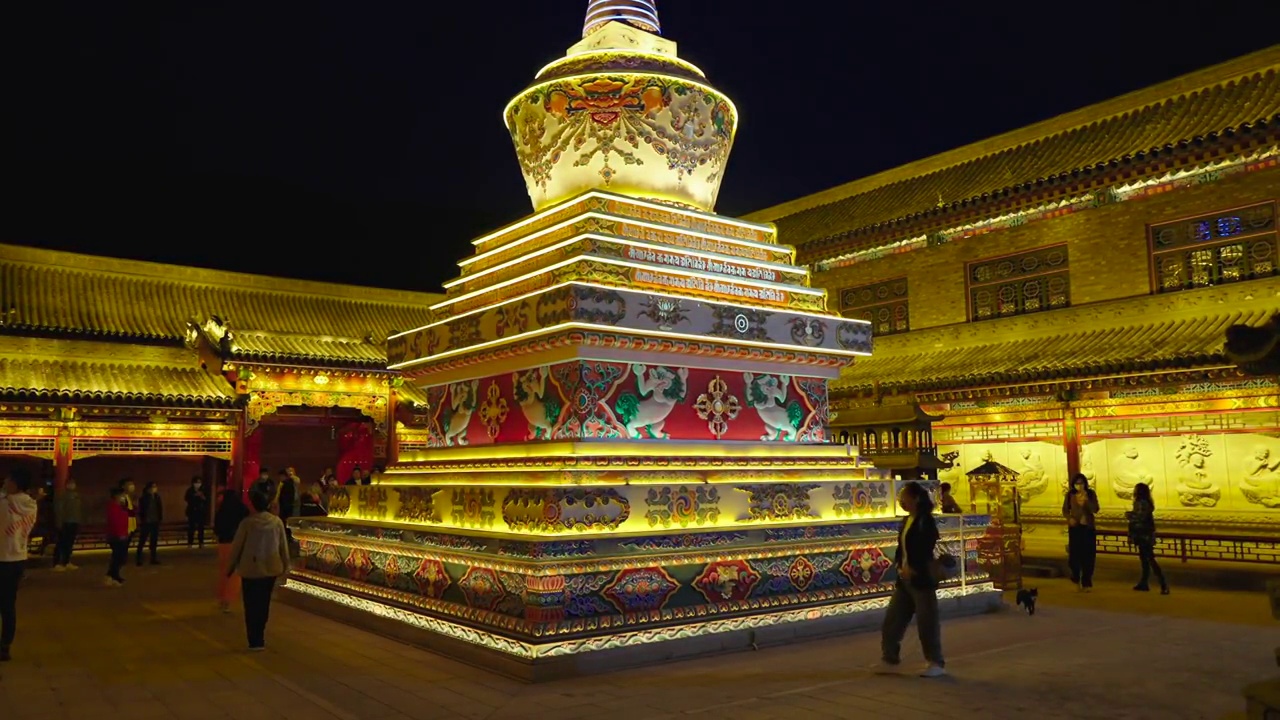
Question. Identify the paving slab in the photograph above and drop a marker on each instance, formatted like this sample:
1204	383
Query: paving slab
158	648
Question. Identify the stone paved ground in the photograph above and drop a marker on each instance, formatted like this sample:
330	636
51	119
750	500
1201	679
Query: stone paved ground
158	649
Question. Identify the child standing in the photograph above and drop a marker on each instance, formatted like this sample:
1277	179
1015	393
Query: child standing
117	536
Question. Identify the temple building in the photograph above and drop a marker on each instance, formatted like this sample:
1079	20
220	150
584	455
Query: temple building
112	368
1057	298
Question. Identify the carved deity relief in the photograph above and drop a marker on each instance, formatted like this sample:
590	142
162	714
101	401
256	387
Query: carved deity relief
463	399
1261	482
767	394
540	411
1127	470
1032	478
659	390
1194	487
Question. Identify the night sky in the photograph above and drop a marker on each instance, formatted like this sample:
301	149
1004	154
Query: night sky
362	142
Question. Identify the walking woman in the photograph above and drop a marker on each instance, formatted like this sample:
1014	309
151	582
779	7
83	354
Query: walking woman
1080	508
1142	533
916	592
197	511
260	553
226	521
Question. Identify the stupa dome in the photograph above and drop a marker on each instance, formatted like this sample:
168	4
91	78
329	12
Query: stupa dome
622	112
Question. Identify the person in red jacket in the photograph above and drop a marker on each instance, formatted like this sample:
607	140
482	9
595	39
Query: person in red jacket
117	536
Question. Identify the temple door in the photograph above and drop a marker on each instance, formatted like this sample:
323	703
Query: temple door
355	449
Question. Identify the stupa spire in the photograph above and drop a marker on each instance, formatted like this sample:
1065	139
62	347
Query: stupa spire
640	13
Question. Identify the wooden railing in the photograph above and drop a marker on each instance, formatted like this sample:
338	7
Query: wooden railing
1194	546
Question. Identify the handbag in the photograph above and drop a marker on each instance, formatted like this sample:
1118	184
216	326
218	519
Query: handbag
943	566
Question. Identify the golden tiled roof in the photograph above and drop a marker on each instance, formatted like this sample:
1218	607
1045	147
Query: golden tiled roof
409	392
271	318
1229	97
1146	334
35	369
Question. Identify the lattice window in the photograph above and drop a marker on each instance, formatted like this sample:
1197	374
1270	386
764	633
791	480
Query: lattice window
1033	281
26	445
1214	249
156	446
883	304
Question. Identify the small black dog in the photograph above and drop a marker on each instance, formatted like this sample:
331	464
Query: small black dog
1027	599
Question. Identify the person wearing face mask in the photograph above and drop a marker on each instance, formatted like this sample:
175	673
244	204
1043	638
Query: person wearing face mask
150	515
197	511
1080	508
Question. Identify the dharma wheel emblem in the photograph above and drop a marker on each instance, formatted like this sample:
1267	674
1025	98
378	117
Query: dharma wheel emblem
741	323
717	406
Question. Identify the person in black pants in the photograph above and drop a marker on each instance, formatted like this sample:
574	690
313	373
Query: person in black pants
260	554
68	516
150	515
197	511
117	536
1080	508
17	516
1142	534
916	591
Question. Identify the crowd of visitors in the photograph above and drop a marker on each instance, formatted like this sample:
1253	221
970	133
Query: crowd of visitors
253	541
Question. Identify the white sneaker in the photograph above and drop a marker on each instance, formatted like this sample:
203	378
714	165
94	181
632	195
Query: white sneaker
71	566
933	671
885	667
59	568
110	583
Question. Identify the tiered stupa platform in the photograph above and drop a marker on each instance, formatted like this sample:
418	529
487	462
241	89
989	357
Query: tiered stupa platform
626	453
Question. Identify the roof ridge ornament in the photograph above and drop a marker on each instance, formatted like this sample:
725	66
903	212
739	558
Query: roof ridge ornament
638	13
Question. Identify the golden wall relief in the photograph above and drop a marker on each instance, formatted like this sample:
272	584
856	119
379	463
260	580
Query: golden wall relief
1041	468
1197	480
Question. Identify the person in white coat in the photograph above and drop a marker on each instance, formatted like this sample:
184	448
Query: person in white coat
17	517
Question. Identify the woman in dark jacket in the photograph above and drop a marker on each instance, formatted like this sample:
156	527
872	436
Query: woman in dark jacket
197	511
1142	533
916	592
150	517
1080	508
231	511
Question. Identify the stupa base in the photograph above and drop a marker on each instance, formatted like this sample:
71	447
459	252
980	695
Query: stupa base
542	663
540	608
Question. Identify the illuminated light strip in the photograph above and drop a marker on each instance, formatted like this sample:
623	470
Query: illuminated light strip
528	651
635	332
672	449
709	218
646	291
769	249
671	249
621	51
714	277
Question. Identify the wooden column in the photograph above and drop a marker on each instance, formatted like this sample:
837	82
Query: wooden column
393	436
61	460
235	470
1071	441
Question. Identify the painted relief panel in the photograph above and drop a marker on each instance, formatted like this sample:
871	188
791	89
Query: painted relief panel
638	311
610	400
1253	465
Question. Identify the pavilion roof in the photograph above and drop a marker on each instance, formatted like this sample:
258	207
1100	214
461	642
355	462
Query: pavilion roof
1045	161
107	373
271	319
1150	333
